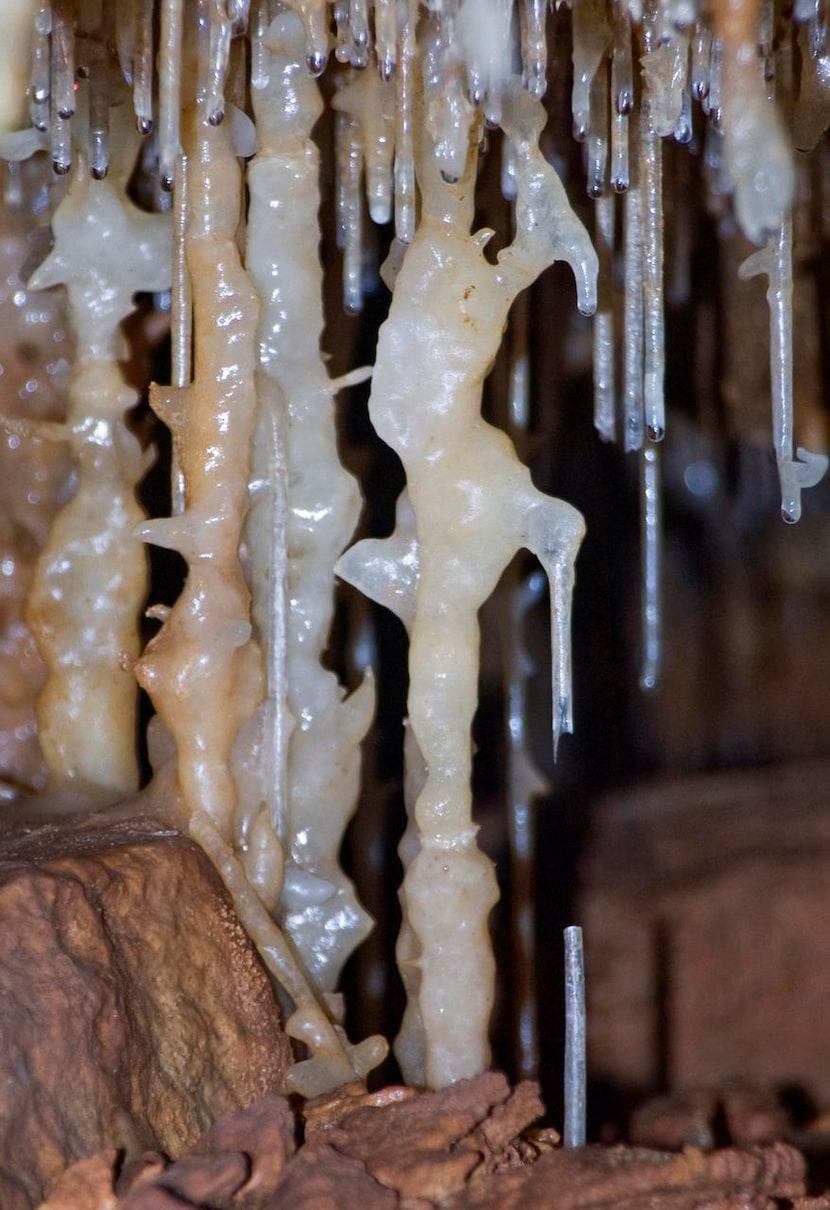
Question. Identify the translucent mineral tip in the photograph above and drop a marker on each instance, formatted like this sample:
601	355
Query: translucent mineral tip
316	62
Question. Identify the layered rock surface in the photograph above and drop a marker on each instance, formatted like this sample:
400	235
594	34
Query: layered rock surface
704	900
134	1011
467	1147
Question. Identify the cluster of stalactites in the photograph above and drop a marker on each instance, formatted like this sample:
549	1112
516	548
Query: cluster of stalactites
669	55
746	81
660	58
470	58
476	45
723	82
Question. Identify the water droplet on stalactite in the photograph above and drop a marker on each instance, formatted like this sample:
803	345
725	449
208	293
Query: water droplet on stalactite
316	63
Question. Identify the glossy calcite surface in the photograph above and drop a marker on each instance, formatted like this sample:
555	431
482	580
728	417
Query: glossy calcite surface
472	506
36	351
91	579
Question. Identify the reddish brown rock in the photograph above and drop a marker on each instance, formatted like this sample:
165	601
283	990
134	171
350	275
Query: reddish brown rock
207	1179
324	1112
87	1185
675	1121
738	1114
133	1008
265	1134
412	1146
502	1138
706	953
428	1146
142	1171
629	1178
340	1169
152	1197
320	1178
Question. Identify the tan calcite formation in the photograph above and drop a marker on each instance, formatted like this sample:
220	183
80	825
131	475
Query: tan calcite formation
202	669
35	355
133	1008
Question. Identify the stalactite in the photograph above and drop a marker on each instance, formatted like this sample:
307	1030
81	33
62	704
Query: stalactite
305	511
90	582
466	532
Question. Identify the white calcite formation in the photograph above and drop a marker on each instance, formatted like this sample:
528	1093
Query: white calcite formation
91	580
304	511
474	506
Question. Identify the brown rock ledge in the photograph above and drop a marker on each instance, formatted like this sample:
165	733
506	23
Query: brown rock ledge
133	1009
468	1147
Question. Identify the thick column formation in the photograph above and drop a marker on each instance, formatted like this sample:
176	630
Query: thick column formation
202	669
91	580
474	506
305	509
